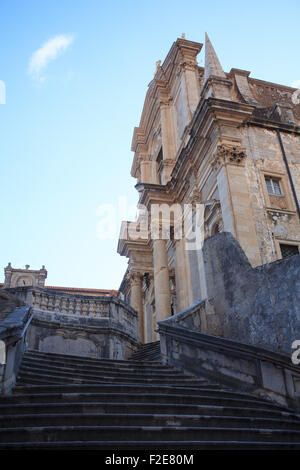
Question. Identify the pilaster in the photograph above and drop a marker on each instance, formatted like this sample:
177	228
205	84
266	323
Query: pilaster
229	161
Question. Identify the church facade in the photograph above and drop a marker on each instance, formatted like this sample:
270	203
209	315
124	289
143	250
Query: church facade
219	143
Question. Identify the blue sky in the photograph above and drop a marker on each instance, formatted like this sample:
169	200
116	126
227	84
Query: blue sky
66	128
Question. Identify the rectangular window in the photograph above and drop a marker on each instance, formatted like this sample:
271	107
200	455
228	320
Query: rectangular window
273	186
288	250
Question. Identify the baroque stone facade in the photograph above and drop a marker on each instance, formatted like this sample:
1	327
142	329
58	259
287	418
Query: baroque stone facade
224	141
214	152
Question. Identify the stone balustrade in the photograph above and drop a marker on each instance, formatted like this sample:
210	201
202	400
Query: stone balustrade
71	304
107	322
66	304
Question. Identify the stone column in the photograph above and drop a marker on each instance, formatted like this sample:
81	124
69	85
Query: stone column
136	301
161	280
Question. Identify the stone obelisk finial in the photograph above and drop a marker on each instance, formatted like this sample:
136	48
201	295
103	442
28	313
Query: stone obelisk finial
212	63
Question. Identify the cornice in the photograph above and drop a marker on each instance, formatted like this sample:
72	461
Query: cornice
273	125
127	246
183	55
154	193
209	113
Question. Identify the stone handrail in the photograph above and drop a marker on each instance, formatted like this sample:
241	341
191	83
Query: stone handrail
70	305
253	369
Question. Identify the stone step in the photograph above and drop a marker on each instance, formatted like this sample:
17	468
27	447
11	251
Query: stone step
44	362
147	355
166	398
125	419
70	402
146	433
144	349
162	445
52	378
37	366
152	408
151	345
80	359
117	387
48	392
121	387
153	356
47	379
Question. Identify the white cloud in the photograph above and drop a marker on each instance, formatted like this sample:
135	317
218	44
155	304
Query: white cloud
49	51
295	84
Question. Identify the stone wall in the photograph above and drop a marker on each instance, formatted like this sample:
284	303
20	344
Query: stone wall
275	218
259	306
88	337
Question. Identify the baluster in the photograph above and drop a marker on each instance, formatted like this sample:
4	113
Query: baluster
51	303
36	300
44	299
84	309
106	310
98	309
64	305
57	303
92	308
72	304
77	307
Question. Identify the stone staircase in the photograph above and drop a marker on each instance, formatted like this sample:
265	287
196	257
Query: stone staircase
148	352
67	402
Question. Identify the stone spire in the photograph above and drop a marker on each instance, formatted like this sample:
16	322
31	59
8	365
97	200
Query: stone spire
212	63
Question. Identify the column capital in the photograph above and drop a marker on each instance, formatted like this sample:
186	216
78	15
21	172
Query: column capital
135	277
165	101
227	154
145	158
187	65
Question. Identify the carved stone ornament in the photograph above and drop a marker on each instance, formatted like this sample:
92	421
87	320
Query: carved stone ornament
227	154
135	278
187	65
